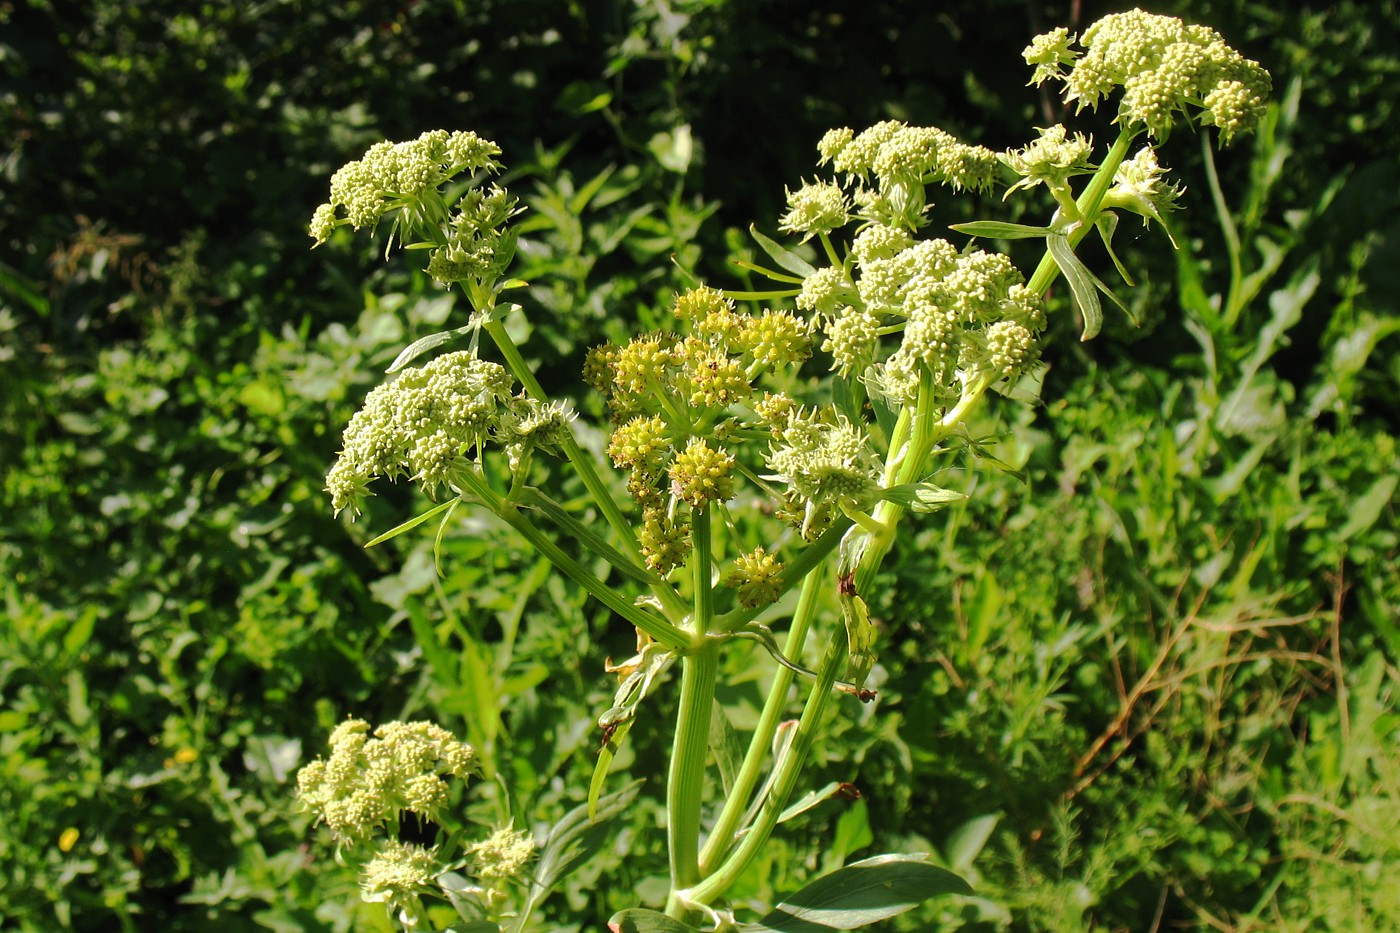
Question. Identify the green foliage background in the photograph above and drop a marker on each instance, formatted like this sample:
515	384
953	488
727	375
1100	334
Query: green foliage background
1152	686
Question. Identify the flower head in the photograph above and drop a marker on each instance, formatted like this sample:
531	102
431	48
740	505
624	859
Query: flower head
389	175
368	780
1050	159
816	208
828	465
399	871
1163	66
758	576
1139	186
502	855
431	421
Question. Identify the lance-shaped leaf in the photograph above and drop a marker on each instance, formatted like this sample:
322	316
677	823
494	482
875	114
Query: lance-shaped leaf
1001	230
783	256
921	497
1083	285
415	522
641	920
862	893
423	344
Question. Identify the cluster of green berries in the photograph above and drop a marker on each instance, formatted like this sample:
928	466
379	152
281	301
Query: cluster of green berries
432	422
1163	66
369	780
467	240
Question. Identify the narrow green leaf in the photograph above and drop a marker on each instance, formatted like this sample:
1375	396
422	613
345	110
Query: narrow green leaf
810	800
606	754
763	271
533	498
1081	285
579	202
412	522
641	920
921	497
1000	230
422	345
782	255
437	539
864	892
1366	511
1107	224
967	841
726	746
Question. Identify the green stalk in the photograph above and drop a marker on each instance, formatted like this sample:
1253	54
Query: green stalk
572	452
658	628
581	462
685	782
721	838
1088	204
1230	312
785	779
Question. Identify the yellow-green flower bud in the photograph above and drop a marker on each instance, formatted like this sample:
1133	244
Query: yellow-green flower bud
775	410
1139	186
643	443
775	338
826	291
502	856
716	380
367	782
642	363
665	543
1163	65
816	208
427	424
833	142
398	871
878	241
758	576
701	475
700	302
850	339
1051	159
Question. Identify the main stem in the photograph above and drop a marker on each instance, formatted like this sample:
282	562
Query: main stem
722	836
685	783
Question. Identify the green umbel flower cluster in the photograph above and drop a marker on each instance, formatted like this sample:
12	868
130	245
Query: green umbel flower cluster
901	161
432	422
758	577
502	855
1140	186
1049	160
673	399
399	871
368	781
1163	66
828	467
403	181
965	319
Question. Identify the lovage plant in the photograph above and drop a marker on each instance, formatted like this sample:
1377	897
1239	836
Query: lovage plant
914	331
